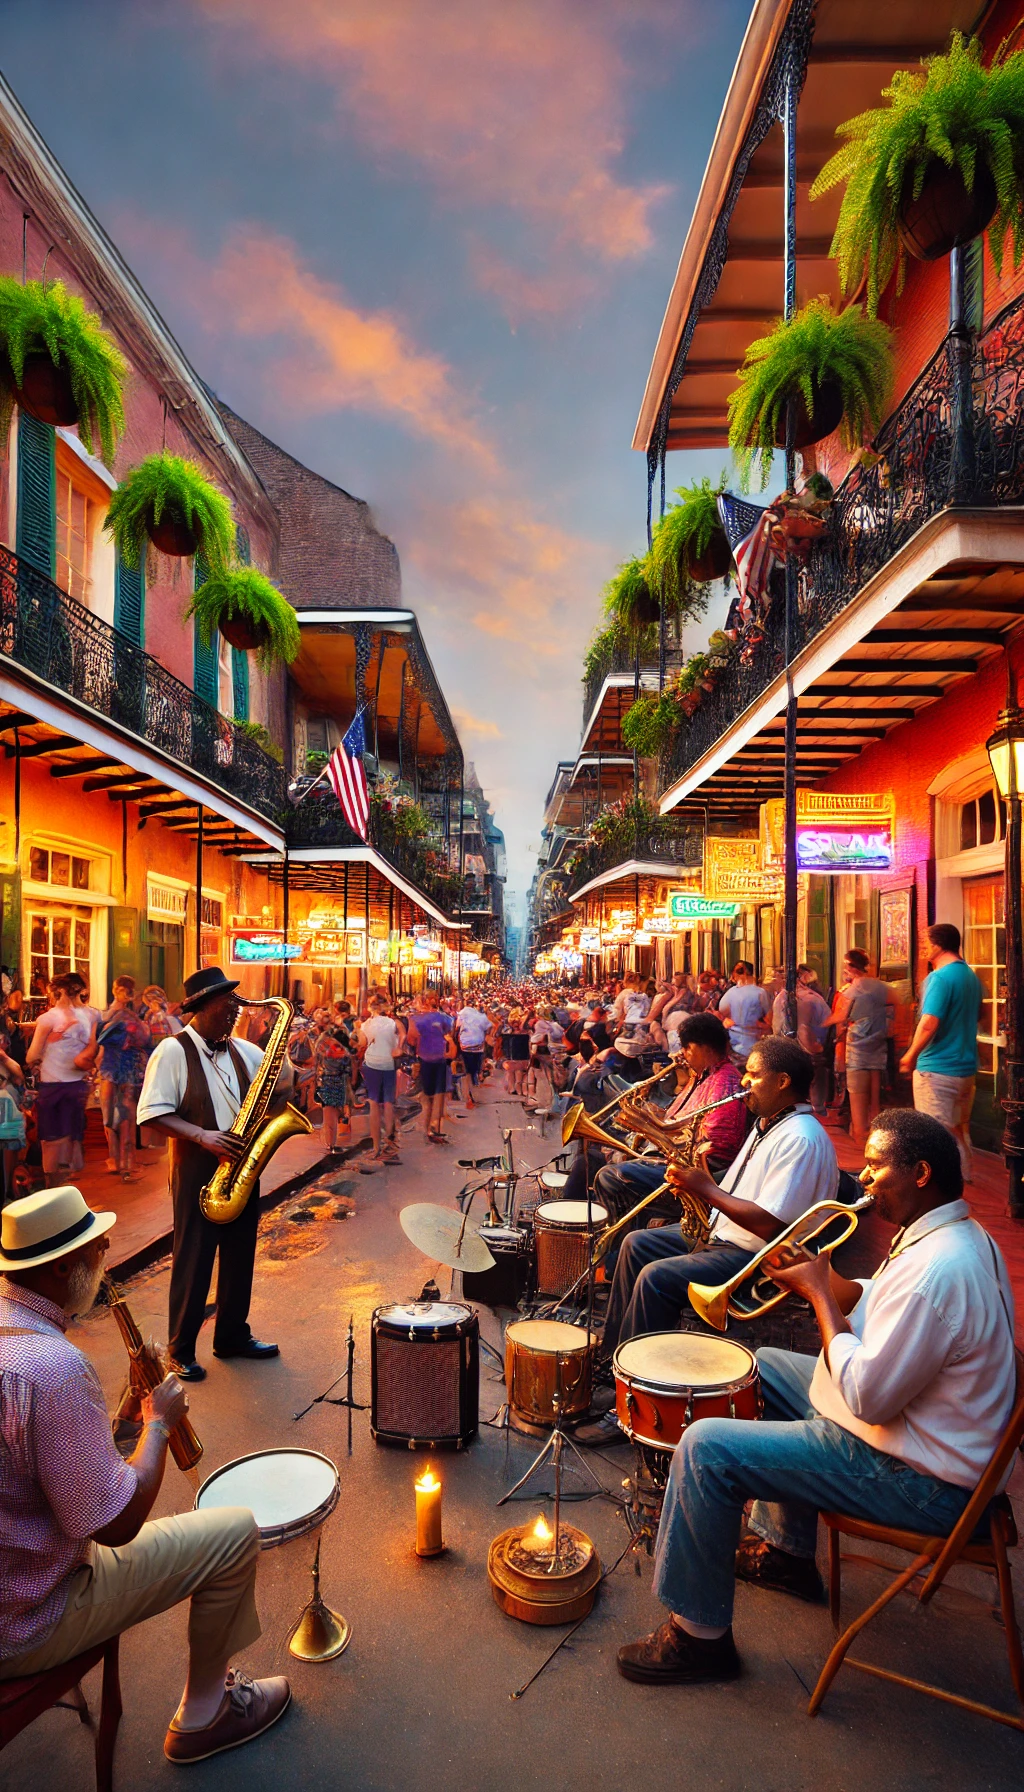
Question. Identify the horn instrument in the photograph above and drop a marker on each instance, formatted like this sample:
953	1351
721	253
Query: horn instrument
578	1124
148	1369
752	1290
678	1141
225	1195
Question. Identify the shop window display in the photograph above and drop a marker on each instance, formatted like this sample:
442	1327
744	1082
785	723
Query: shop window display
985	952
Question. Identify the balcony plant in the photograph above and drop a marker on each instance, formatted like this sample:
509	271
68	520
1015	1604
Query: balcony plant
249	612
836	366
650	723
58	363
255	731
689	544
939	164
600	655
630	598
170	502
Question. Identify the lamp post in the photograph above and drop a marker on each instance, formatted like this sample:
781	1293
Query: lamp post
1006	751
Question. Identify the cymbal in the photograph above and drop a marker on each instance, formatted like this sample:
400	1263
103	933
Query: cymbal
445	1237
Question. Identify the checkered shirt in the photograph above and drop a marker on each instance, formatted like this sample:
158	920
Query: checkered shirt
61	1479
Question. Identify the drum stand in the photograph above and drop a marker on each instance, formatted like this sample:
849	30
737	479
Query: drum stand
320	1634
554	1448
344	1399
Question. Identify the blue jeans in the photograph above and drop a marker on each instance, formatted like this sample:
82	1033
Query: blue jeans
793	1463
652	1275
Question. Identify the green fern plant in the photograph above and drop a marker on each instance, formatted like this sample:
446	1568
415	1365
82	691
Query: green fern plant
951	110
649	723
684	533
241	591
255	731
630	599
814	347
165	485
48	320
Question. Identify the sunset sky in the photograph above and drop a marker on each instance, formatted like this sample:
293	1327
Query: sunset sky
426	246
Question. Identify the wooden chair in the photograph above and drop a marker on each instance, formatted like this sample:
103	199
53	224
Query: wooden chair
22	1701
933	1558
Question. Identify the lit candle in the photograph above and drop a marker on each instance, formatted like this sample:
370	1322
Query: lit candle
429	1541
538	1541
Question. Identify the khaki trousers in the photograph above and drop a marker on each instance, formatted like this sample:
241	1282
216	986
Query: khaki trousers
208	1557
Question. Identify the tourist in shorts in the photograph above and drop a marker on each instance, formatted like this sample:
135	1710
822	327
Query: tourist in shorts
430	1036
380	1044
62	1036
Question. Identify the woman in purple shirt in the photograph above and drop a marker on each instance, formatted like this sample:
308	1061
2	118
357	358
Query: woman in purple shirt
430	1037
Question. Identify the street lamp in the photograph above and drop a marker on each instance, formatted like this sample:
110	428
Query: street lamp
1006	751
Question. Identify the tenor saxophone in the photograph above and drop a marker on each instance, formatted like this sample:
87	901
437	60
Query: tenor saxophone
229	1188
678	1140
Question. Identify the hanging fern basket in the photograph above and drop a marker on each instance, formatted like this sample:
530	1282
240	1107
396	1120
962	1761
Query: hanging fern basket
945	215
814	424
244	633
645	608
172	534
714	562
45	391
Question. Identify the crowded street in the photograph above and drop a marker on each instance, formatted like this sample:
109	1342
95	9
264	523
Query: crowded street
512	895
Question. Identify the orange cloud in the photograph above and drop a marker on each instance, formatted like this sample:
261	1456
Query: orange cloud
469	724
519	105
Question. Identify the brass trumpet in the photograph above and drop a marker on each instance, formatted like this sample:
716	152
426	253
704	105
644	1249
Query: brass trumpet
752	1291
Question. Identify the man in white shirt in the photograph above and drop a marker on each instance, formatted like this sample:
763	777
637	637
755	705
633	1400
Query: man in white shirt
744	1009
195	1084
893	1423
472	1027
786	1164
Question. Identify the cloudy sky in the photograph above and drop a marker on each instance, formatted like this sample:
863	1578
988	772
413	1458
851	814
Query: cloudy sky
425	245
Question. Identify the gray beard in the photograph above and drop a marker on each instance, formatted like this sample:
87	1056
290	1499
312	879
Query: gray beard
83	1287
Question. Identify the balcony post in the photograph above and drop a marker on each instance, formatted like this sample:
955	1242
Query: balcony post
199	888
792	611
960	355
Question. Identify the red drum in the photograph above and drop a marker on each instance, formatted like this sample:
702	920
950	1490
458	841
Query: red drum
667	1379
563	1240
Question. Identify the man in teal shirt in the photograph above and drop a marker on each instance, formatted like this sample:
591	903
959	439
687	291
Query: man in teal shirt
943	1053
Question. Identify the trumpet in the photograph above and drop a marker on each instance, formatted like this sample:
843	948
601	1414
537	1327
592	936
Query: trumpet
752	1290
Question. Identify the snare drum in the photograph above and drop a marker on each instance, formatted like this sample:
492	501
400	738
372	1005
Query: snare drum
563	1239
545	1359
288	1492
553	1180
667	1379
424	1373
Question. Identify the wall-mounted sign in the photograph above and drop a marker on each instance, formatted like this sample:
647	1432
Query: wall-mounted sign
836	830
590	939
823	849
684	907
735	869
165	901
259	946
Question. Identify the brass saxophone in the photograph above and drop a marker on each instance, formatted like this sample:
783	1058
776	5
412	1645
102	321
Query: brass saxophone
677	1140
231	1184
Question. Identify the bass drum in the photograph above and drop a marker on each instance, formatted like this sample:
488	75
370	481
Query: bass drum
667	1379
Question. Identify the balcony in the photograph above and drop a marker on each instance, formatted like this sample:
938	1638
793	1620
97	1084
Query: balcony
935	455
620	663
53	636
678	850
318	820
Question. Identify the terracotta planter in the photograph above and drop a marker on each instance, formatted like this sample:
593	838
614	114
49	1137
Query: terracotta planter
45	391
242	632
715	561
646	610
825	415
172	534
944	214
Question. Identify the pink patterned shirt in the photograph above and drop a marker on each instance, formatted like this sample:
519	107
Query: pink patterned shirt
61	1479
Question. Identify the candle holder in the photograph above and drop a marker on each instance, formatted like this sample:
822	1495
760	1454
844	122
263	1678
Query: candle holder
542	1578
429	1535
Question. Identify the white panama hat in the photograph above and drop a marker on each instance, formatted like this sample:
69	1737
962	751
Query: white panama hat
42	1227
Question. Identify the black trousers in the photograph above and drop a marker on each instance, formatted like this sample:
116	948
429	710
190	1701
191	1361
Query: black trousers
196	1243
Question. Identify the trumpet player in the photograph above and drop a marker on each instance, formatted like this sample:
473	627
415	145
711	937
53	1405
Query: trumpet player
893	1423
787	1163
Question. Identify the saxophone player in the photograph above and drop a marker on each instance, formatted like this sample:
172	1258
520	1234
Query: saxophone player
195	1084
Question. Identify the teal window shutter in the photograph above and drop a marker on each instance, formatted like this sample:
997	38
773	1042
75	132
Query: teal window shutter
243	552
205	678
37	494
130	601
240	684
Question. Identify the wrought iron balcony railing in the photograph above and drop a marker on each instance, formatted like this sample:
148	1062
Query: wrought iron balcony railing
957	438
318	820
620	663
681	850
57	638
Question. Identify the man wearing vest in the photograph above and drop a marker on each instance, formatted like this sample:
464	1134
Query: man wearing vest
195	1084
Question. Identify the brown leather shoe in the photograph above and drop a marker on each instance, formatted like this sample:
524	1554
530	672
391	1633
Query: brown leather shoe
671	1657
763	1565
249	1708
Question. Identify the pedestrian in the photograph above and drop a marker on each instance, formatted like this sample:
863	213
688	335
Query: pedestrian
515	1040
380	1045
430	1036
813	1019
744	1008
471	1027
943	1054
124	1043
331	1067
63	1035
864	1013
12	1120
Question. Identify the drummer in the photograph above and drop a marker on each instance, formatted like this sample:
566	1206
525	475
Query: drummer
787	1164
80	1558
894	1422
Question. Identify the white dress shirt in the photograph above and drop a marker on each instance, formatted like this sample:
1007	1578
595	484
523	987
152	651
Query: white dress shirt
785	1171
167	1077
927	1374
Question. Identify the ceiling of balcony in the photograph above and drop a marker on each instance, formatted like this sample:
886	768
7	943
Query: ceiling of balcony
857	47
325	672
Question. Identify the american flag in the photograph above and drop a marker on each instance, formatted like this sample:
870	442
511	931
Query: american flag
348	778
747	527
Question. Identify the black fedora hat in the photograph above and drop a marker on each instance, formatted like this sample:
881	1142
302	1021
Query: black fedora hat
202	986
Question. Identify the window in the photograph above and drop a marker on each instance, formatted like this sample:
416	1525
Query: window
213	912
59	943
985	952
65	869
982	821
225	678
81	506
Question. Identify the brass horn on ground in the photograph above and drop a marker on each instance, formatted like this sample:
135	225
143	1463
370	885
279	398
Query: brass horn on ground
752	1291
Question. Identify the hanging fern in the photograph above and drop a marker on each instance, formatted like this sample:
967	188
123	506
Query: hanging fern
37	319
817	345
630	598
681	537
166	484
951	110
242	591
649	723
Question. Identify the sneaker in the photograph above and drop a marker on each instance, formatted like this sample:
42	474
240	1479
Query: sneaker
669	1656
762	1565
